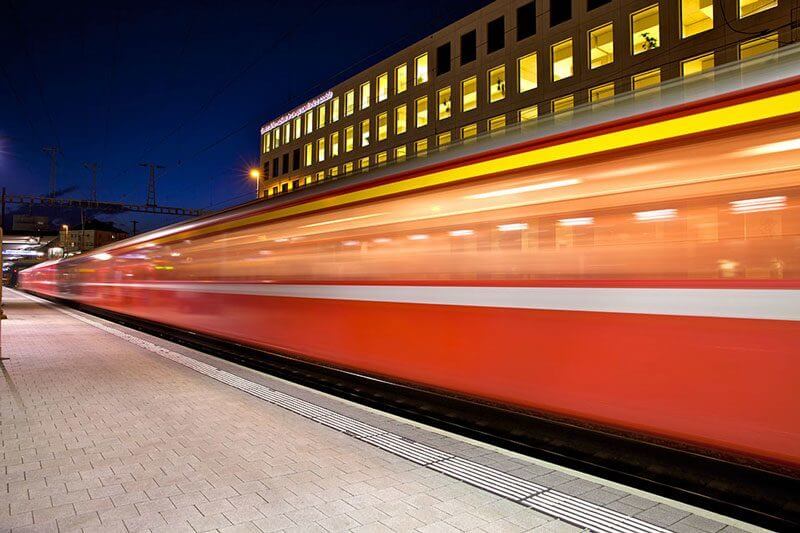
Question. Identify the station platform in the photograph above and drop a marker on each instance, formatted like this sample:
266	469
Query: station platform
105	428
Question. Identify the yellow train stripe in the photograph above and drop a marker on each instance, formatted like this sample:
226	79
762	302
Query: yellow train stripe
734	115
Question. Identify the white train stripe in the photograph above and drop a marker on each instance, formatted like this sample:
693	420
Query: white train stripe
765	304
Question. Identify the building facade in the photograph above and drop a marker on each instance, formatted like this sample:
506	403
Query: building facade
511	61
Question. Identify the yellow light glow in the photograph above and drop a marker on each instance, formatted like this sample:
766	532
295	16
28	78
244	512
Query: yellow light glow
526	188
255	173
578	221
516	226
102	256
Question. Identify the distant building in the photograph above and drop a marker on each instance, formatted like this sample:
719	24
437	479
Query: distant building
94	234
509	62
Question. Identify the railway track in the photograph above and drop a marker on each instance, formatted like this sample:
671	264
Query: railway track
727	485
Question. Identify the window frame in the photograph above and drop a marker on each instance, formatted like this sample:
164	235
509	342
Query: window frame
589	45
417	60
463	93
535	55
417	102
553	46
490	85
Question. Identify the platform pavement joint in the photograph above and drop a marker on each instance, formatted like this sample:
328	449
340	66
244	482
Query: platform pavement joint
105	436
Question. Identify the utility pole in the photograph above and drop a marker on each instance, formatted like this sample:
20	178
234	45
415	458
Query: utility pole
151	182
92	167
52	152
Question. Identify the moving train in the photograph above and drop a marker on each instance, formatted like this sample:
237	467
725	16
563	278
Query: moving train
639	273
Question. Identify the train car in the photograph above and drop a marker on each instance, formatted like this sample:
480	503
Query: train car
641	273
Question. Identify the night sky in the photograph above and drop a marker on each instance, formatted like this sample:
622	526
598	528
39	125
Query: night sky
185	84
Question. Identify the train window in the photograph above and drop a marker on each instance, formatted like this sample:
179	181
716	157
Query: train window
348	139
334	144
309	118
645	30
468	131
444	104
563	104
349	102
561	60
400	153
380	157
751	7
321	149
698	64
469	47
364	93
758	46
646	79
400	119
335	109
496	123
443	59
469	94
497	83
528	113
527	73
443	138
495	35
421	111
309	155
321	116
265	142
365	132
382	87
298	127
697	16
526	20
296	159
421	69
285	163
382	126
421	146
363	163
400	78
601	46
602	92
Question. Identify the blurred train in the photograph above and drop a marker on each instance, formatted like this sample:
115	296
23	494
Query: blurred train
641	273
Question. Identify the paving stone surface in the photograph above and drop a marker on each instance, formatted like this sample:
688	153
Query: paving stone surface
99	434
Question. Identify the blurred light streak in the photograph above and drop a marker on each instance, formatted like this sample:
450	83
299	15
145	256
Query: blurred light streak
526	188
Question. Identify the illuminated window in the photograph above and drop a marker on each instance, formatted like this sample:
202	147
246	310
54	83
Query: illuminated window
528	113
298	127
470	130
383	126
349	102
321	149
646	79
421	69
363	163
333	171
380	157
364	92
287	132
348	167
561	105
309	155
496	123
400	152
348	139
751	7
335	109
697	16
319	175
443	138
400	119
497	83
400	78
321	116
334	144
382	87
265	142
527	72
602	92
469	94
561	58
421	146
696	65
276	137
365	132
758	46
645	30
421	111
601	46
444	103
309	118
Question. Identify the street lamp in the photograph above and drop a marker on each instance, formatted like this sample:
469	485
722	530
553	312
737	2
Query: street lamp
255	173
